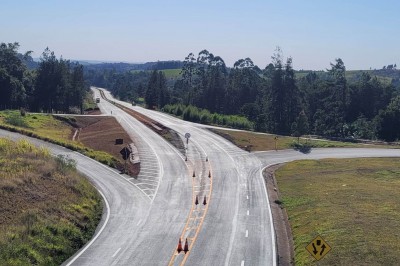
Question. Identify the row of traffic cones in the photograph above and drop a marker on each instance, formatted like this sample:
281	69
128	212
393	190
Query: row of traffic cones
209	173
197	200
186	247
186	158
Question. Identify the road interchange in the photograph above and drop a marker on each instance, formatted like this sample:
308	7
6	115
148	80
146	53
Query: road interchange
145	217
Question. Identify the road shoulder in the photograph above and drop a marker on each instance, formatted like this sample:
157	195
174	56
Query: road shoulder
284	239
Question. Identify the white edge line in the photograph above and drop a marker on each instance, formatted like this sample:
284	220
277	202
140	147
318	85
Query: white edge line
160	165
270	217
115	253
98	233
112	170
242	264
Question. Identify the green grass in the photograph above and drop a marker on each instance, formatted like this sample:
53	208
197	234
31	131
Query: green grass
351	75
263	142
169	73
48	211
53	129
354	204
172	73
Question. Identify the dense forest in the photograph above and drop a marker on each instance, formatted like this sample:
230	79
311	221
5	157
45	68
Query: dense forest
52	85
275	99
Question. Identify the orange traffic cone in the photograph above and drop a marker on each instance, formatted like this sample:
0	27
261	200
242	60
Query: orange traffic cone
197	200
185	158
186	248
179	249
209	173
207	159
205	200
194	174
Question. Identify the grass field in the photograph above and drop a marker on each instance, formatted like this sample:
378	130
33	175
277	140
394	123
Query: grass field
354	204
169	73
48	211
172	73
265	142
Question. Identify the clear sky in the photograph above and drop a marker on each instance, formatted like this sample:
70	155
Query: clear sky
364	33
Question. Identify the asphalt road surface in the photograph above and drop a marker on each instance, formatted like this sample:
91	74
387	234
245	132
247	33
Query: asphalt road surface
145	217
236	228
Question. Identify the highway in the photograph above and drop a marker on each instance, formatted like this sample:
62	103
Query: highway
145	217
237	227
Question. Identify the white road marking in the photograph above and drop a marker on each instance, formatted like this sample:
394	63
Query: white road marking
148	171
242	264
248	212
139	222
97	235
247	196
247	233
115	253
149	184
145	179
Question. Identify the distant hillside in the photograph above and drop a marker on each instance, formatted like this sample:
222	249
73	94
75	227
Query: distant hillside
387	76
125	67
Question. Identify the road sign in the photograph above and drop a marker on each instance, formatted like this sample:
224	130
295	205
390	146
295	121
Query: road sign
318	248
125	152
187	136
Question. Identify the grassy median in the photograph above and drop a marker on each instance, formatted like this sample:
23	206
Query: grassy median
354	204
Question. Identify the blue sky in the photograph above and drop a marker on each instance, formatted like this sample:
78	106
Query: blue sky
363	33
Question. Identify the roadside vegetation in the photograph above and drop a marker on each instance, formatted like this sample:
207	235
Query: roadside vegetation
252	141
352	203
48	210
203	116
335	103
51	128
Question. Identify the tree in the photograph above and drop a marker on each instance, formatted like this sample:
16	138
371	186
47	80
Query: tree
283	97
157	94
12	77
151	96
300	126
389	121
329	118
59	85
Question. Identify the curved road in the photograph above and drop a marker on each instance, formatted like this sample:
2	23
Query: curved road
238	229
146	216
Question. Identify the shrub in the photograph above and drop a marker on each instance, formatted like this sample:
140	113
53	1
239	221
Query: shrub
16	119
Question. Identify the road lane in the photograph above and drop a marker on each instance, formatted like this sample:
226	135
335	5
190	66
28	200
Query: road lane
247	225
148	214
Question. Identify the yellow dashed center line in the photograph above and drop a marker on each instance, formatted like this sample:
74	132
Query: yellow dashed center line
190	219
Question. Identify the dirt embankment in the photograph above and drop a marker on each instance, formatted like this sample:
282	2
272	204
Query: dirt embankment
283	233
167	133
100	133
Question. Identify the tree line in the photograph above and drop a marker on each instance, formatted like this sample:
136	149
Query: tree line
56	85
274	99
320	103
